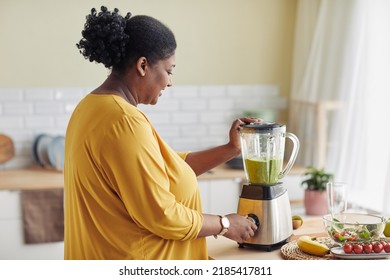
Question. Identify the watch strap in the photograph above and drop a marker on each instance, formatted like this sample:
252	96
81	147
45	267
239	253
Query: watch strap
224	228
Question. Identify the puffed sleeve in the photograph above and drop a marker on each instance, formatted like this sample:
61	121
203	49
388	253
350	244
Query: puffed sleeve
135	167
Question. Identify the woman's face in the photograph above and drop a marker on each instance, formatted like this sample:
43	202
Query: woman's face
158	77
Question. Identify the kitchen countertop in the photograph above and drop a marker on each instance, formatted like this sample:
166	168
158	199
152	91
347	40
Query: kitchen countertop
226	249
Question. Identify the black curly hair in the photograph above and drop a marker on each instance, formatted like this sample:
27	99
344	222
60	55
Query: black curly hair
118	41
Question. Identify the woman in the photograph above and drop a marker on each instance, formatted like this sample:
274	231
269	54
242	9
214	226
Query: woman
128	195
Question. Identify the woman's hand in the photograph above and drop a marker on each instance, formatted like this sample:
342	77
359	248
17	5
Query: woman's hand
241	228
234	133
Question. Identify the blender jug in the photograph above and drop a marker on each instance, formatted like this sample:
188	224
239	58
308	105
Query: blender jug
262	147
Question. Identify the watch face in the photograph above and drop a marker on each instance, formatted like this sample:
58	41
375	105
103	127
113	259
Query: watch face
225	222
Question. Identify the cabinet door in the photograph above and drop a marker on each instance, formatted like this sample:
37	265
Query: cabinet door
220	196
12	246
10	205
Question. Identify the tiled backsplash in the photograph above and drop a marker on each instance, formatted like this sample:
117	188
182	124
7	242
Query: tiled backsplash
187	117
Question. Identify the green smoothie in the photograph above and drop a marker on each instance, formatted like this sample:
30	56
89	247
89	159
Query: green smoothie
262	171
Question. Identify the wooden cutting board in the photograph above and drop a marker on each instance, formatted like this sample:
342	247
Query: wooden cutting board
7	149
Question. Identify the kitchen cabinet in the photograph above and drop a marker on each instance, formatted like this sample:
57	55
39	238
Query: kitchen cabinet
12	246
220	196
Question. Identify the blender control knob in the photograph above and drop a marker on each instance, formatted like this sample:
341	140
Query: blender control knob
254	218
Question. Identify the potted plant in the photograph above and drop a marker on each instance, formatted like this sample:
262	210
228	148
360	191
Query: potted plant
315	200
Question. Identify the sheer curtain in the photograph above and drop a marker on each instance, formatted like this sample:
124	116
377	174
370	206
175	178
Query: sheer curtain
341	92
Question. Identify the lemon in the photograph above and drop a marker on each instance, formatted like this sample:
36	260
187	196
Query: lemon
386	231
297	221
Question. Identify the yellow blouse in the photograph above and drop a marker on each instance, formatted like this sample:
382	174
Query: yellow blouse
128	195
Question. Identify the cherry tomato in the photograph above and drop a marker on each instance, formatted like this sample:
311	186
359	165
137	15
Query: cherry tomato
386	247
357	248
348	248
367	247
377	247
353	238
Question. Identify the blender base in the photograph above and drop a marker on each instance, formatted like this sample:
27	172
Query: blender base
268	248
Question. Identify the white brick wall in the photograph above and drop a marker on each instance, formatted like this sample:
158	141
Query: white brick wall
187	117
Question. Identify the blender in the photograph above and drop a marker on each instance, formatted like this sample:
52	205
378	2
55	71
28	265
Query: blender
264	198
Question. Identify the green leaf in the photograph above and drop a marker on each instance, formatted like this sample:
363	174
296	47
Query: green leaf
365	235
342	238
316	179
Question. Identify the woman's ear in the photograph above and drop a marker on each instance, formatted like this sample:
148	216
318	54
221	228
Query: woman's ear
142	64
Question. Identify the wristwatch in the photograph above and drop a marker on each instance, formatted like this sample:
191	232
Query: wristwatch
225	226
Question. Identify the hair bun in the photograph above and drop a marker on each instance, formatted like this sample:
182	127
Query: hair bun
103	37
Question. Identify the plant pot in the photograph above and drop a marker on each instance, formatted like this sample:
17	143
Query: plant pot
315	202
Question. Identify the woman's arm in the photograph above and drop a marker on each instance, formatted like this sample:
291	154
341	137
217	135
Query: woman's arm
205	160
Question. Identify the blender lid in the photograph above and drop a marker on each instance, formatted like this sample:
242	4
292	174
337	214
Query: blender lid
261	127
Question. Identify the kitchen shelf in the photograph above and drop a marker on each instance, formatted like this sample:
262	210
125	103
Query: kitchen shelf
33	177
